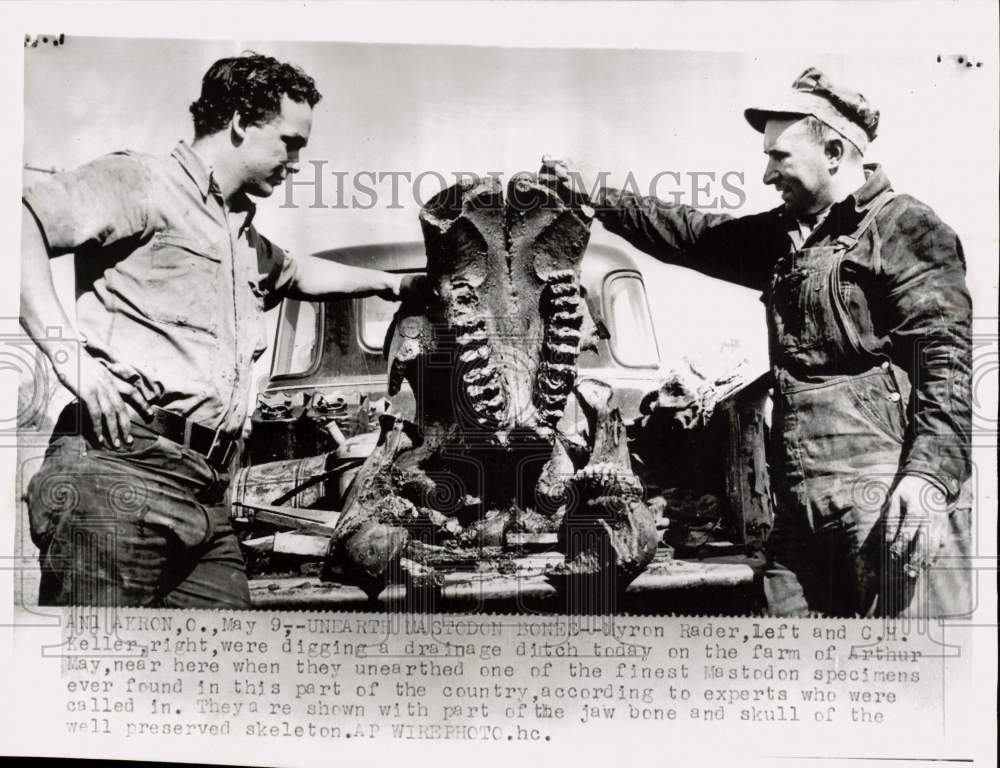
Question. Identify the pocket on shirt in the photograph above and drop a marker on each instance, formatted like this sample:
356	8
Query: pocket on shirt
184	286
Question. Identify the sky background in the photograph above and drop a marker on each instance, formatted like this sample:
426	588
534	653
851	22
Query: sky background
444	109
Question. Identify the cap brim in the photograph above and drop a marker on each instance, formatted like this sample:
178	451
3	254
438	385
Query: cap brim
758	116
798	105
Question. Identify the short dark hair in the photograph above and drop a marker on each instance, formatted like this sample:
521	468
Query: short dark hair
251	85
823	133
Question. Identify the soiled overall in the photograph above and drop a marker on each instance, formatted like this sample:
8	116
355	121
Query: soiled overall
838	441
868	325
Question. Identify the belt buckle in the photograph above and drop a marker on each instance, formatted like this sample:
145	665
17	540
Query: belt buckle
227	454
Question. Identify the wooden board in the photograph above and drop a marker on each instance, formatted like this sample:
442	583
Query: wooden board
521	578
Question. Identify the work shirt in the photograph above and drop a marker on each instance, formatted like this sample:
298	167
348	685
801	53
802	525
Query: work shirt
172	283
903	286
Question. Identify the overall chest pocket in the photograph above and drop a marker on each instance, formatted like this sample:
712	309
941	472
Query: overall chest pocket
184	283
802	314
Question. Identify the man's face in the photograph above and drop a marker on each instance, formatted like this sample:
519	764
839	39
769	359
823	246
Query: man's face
797	165
270	152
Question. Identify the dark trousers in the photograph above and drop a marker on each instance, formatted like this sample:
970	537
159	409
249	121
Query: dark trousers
840	447
141	526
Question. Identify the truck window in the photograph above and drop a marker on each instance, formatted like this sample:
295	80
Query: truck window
376	315
298	332
632	342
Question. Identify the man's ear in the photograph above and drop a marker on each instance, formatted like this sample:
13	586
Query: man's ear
834	150
237	126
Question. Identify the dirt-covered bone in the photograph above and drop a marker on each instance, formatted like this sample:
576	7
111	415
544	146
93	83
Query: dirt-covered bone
505	311
608	533
491	357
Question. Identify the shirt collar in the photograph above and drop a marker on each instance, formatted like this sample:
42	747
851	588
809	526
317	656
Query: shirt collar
203	177
849	210
876	182
195	168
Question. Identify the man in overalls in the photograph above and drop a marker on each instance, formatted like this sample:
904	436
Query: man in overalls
869	335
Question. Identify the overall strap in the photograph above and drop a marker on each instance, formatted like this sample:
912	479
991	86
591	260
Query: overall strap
851	240
848	242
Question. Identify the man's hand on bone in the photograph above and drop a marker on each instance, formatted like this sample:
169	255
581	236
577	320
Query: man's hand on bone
566	180
414	289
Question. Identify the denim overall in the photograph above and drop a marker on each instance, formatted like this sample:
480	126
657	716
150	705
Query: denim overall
837	442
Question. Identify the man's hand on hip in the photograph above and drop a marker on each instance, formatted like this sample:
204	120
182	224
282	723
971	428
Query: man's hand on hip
915	522
104	395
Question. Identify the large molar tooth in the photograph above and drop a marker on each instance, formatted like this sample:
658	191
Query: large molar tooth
485	392
461	287
566	303
462	299
494	404
476	337
551	398
549	414
468	320
464	317
567	318
563	372
561	278
562	334
551	411
479	375
563	351
489	412
563	369
465	314
563	292
555	382
484	387
556	372
475	354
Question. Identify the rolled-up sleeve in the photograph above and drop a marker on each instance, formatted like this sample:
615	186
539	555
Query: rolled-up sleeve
99	203
280	270
930	316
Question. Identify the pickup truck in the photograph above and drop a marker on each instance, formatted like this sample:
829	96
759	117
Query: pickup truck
317	419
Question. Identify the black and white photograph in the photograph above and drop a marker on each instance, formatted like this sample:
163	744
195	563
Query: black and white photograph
612	353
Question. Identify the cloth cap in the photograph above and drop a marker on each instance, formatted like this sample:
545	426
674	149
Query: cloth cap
812	93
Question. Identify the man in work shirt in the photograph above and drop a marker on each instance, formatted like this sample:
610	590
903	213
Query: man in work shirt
126	506
869	334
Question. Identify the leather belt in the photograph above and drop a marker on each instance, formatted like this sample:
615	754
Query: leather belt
216	448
